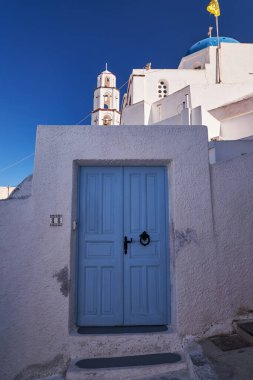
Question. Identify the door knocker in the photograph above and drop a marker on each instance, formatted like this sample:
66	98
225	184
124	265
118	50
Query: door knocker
144	238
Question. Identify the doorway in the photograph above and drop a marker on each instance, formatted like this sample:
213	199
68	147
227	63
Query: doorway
123	249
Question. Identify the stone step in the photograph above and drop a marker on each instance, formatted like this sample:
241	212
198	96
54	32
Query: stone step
50	378
245	329
97	346
165	371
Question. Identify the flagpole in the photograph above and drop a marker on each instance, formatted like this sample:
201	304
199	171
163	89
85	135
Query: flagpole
214	8
218	50
217	30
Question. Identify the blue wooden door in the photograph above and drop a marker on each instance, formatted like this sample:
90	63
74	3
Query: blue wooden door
100	267
145	267
115	288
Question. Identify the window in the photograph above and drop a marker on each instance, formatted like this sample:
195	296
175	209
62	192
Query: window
162	89
107	120
107	100
107	81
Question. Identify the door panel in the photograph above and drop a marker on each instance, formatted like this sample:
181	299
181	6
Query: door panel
145	266
100	287
114	288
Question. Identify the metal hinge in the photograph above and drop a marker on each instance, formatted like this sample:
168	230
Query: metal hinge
74	225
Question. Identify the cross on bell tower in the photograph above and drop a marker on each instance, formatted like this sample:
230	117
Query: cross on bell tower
106	100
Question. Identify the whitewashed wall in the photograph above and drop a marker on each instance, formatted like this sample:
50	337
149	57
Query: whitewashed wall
232	197
216	95
134	115
226	150
144	85
38	261
5	191
169	106
236	63
238	127
200	115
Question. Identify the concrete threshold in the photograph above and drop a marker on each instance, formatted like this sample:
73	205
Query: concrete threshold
98	346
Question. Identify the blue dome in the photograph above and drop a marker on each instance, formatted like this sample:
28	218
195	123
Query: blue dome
213	41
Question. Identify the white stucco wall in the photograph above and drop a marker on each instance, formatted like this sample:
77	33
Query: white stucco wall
174	120
216	95
37	305
205	58
226	150
143	84
238	127
232	197
183	150
138	88
38	261
169	106
236	63
136	114
201	116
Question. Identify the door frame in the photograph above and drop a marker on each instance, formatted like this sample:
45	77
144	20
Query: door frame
76	202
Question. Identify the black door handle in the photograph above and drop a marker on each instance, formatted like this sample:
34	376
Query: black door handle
125	244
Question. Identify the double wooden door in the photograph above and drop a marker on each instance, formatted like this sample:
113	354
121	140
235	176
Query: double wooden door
122	279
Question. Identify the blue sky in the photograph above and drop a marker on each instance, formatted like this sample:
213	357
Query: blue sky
53	50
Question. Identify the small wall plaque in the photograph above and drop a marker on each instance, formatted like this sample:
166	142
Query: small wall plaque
55	220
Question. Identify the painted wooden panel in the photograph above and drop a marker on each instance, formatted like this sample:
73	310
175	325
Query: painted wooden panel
90	275
135	204
100	265
137	290
92	208
151	201
108	218
153	285
107	290
145	267
96	249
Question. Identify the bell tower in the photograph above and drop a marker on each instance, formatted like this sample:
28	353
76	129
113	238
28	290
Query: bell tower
106	100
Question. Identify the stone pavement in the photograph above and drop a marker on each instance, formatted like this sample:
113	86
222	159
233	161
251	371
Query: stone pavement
230	365
178	375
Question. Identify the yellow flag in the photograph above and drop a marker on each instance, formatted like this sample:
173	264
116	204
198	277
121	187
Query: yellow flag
213	7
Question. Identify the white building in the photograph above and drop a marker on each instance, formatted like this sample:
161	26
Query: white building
212	87
5	191
133	225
